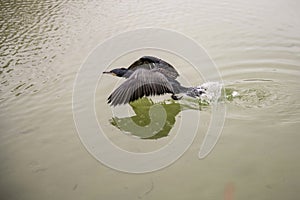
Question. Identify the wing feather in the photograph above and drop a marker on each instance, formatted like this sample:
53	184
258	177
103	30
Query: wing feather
141	83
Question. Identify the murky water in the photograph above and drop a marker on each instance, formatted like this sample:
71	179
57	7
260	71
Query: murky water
256	46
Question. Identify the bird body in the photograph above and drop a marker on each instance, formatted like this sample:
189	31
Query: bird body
145	77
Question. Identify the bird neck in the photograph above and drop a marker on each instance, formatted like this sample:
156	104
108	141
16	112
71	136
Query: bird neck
127	73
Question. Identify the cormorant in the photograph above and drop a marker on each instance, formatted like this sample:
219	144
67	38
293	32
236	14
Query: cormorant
146	76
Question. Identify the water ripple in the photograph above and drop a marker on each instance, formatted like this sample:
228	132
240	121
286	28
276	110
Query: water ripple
30	41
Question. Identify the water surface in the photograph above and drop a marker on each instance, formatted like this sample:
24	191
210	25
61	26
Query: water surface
256	47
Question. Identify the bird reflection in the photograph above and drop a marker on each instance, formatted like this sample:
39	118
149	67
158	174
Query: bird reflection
140	124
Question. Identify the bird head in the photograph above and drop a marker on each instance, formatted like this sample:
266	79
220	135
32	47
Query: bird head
120	72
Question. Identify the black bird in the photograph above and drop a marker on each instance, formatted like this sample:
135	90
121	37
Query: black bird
146	76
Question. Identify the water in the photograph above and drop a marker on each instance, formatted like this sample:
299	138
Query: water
256	47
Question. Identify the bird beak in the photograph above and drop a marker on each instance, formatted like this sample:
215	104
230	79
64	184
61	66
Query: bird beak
110	73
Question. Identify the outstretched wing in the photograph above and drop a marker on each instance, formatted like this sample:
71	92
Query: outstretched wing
141	83
150	62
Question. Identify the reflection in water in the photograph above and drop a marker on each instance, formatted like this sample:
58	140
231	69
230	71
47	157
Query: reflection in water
142	117
153	121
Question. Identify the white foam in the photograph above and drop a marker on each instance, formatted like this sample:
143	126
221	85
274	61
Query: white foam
209	91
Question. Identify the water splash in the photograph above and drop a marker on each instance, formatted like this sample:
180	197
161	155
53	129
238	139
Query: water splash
208	92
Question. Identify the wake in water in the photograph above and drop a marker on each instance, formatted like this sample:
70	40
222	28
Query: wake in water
254	93
246	93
